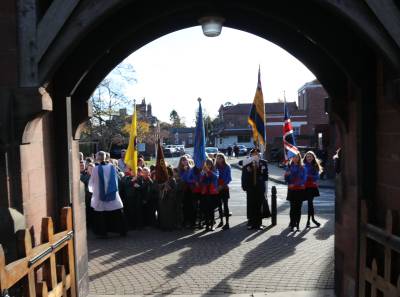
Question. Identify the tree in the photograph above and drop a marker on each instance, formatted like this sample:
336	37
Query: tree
210	127
175	120
144	133
107	100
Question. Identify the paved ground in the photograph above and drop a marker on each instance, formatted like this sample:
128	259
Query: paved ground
238	261
315	293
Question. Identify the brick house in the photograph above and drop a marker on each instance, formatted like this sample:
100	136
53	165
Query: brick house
235	129
183	136
308	117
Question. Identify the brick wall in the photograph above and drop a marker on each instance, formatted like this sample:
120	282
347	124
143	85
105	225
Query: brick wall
388	154
315	96
346	235
79	214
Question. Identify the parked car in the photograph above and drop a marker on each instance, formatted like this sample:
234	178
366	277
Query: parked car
169	152
242	150
276	154
212	150
171	147
181	149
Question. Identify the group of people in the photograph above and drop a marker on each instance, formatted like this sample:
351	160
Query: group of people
302	177
232	150
119	200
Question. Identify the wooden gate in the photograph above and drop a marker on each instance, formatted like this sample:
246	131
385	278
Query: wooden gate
379	257
44	270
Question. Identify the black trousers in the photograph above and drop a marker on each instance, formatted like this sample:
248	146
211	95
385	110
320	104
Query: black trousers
310	202
309	195
109	221
295	212
295	198
189	208
223	198
208	204
255	198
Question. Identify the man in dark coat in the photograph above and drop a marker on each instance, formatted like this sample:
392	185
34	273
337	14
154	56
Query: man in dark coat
254	176
236	150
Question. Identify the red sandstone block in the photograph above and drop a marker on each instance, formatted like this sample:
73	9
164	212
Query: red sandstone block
37	182
387	172
388	197
388	122
32	157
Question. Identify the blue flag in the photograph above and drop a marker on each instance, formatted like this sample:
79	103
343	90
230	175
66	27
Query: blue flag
289	142
199	154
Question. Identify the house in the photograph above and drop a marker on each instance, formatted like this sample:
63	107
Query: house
183	136
234	128
308	117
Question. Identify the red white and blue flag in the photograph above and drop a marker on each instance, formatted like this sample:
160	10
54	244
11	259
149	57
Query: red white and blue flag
289	143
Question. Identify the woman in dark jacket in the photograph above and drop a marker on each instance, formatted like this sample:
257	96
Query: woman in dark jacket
295	176
209	192
223	189
184	192
167	214
313	171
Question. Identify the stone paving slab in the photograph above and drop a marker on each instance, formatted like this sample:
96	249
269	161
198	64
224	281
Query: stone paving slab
237	261
317	293
275	174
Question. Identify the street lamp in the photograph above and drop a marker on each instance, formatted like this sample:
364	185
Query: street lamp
155	128
211	25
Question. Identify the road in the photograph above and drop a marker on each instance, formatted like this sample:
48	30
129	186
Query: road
237	261
324	204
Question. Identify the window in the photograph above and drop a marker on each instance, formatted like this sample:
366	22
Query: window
243	138
302	100
190	138
296	131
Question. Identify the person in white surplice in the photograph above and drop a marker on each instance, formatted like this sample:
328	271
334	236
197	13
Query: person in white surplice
106	201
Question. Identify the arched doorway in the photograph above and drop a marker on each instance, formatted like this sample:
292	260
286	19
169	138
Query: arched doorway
185	258
347	50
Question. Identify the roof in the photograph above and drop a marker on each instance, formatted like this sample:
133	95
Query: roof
233	131
310	84
182	130
273	107
226	132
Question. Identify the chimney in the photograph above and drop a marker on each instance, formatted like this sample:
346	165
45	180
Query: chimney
122	112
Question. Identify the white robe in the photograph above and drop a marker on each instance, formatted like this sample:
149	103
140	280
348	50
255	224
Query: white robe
94	185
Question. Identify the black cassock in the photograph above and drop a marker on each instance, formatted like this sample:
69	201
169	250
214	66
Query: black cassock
254	176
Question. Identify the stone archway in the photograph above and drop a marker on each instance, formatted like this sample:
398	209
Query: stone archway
351	47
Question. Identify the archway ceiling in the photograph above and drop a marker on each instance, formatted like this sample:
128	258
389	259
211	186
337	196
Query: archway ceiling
97	38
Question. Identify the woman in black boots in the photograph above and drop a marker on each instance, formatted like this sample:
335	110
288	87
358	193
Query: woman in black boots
313	171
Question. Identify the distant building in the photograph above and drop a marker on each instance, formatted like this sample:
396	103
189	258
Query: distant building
308	118
144	112
120	120
183	136
234	128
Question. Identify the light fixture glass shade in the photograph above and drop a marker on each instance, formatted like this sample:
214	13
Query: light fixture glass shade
211	25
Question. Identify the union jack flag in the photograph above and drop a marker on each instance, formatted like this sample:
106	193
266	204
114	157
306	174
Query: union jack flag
289	143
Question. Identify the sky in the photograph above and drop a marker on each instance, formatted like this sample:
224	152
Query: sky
176	69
